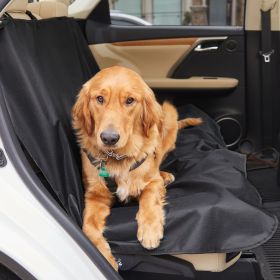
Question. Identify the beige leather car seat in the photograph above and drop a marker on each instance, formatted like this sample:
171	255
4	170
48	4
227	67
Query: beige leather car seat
214	262
41	10
49	9
17	9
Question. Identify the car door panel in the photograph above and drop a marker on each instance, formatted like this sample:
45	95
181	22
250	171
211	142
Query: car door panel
139	57
191	64
98	33
161	62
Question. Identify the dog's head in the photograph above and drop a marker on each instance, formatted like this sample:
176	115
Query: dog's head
113	107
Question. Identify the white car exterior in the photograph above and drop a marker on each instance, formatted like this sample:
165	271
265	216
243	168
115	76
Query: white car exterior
33	238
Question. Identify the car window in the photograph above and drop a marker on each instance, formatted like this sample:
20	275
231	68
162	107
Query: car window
180	12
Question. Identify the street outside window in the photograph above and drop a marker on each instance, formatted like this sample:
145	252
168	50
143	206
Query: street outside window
179	12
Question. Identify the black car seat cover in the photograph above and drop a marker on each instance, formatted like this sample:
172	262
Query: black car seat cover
211	206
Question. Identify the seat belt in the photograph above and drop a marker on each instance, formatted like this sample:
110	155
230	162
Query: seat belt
266	72
31	15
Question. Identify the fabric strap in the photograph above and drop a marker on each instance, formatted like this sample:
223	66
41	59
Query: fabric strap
266	78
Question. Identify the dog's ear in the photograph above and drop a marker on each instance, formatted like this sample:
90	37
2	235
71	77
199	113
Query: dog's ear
81	114
151	114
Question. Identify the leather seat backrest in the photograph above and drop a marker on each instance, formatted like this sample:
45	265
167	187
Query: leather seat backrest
48	9
17	9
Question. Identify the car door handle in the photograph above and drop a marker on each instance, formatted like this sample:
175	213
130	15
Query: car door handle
200	48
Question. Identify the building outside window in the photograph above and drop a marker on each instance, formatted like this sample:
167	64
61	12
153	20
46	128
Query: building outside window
184	12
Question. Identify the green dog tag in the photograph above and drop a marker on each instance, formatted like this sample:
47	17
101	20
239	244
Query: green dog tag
103	172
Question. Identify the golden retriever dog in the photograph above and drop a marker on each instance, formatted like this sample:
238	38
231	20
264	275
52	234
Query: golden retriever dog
124	134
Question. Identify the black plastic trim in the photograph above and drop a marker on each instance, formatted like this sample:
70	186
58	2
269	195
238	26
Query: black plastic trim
98	33
15	267
101	12
17	157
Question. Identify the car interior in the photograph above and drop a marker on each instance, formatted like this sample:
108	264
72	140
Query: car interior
231	81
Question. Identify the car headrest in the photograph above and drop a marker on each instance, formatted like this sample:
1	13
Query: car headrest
17	6
17	9
48	9
66	2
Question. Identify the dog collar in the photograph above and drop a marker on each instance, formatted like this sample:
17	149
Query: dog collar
103	171
110	153
136	164
99	163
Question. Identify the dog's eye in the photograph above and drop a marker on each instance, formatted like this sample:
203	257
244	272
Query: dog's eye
129	101
100	99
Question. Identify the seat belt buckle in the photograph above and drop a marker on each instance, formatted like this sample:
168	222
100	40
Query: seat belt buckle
266	55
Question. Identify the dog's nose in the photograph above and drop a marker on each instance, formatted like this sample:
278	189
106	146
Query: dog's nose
109	137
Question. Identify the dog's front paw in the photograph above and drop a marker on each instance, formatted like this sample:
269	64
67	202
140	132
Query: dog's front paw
149	235
122	193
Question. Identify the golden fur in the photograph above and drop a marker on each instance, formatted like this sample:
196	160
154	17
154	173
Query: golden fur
146	129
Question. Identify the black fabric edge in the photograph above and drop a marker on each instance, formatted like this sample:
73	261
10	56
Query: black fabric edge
249	247
34	185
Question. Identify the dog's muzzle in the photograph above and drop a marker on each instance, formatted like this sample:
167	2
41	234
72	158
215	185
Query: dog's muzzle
109	137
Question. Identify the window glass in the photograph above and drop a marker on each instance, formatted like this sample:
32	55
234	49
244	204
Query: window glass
179	12
131	7
167	12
